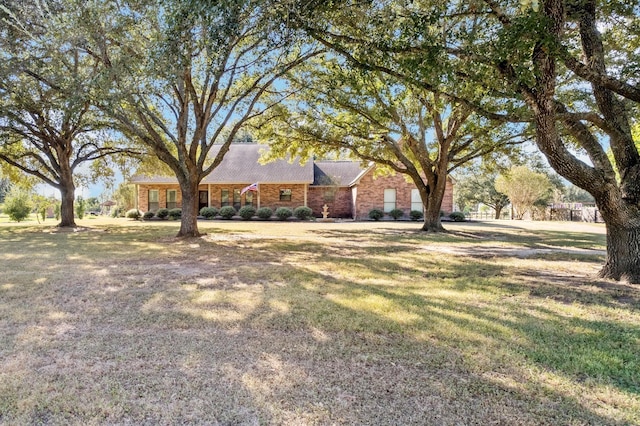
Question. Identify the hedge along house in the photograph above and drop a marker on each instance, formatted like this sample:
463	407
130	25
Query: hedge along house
348	189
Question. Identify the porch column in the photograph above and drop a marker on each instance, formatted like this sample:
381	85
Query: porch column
306	187
208	195
258	193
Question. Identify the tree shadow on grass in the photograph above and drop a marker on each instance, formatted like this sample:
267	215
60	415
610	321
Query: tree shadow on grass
243	333
577	350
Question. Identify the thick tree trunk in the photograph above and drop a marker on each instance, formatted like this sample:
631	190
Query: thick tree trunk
67	193
189	219
432	221
432	208
623	253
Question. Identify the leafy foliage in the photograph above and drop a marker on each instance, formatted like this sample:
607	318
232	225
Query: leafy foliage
303	212
457	216
148	215
379	118
247	212
264	212
416	215
227	212
162	213
396	214
17	204
209	212
376	214
187	101
175	214
49	122
283	213
524	187
80	207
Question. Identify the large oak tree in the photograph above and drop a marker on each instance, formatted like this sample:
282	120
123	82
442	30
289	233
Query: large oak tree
572	64
182	78
378	118
49	127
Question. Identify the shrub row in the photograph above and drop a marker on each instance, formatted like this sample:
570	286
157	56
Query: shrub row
163	213
248	212
377	214
282	213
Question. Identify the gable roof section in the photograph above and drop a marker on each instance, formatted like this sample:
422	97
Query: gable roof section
340	173
240	165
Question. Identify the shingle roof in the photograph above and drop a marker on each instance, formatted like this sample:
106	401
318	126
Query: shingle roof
341	173
240	165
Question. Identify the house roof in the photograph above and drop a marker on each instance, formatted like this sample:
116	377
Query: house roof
341	173
241	165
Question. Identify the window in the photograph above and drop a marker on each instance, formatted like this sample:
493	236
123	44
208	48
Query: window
248	198
237	203
154	205
172	198
285	195
224	198
416	201
389	200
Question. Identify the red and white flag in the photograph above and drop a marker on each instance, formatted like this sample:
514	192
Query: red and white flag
252	187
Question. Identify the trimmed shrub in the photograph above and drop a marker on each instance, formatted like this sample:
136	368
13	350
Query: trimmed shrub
376	214
162	213
284	213
227	212
208	212
396	214
264	212
303	212
175	214
147	215
457	216
134	214
247	212
416	215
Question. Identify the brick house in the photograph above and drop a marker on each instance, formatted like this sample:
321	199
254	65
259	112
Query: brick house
348	189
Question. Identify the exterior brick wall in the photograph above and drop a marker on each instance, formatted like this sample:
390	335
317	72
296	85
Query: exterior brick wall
370	194
143	195
337	199
270	195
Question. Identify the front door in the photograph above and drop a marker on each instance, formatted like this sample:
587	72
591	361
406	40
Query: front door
203	199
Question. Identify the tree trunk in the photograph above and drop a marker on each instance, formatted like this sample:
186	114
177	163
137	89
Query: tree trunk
432	208
67	193
623	253
189	218
498	210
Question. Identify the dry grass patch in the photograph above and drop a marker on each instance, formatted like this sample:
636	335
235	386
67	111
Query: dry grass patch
309	323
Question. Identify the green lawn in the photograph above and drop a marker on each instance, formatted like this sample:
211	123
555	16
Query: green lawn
315	323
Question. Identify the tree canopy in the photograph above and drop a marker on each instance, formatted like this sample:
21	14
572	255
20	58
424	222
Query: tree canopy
49	126
183	78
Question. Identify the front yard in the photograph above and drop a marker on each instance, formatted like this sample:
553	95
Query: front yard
315	323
